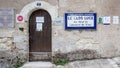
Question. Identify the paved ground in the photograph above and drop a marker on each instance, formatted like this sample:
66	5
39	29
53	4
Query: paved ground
98	63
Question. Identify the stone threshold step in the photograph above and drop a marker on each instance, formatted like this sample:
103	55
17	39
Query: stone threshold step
38	65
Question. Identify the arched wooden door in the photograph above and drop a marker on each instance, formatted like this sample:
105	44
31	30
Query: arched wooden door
40	35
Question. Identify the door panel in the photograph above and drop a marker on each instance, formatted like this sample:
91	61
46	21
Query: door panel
40	41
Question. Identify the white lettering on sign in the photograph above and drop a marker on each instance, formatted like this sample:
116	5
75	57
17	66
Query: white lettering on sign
80	21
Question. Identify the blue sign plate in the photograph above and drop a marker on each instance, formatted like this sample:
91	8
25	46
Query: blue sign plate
80	20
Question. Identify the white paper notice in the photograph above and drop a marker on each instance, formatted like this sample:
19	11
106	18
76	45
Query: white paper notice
115	19
40	19
106	20
39	27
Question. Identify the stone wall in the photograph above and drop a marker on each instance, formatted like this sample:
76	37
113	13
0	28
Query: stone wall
104	40
9	52
86	44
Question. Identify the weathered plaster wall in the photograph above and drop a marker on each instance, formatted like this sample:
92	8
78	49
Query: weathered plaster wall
103	42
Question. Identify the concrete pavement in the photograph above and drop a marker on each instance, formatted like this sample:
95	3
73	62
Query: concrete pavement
97	63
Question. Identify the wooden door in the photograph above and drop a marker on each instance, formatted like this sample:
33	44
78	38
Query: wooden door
39	39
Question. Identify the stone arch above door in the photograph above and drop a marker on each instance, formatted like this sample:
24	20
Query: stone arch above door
28	9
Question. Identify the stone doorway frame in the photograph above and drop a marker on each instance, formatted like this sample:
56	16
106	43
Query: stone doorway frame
29	9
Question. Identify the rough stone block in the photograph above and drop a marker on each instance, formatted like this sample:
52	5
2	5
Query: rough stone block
21	38
117	60
78	55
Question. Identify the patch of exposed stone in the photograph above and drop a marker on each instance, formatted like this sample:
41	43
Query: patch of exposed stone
77	55
98	63
117	60
8	59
